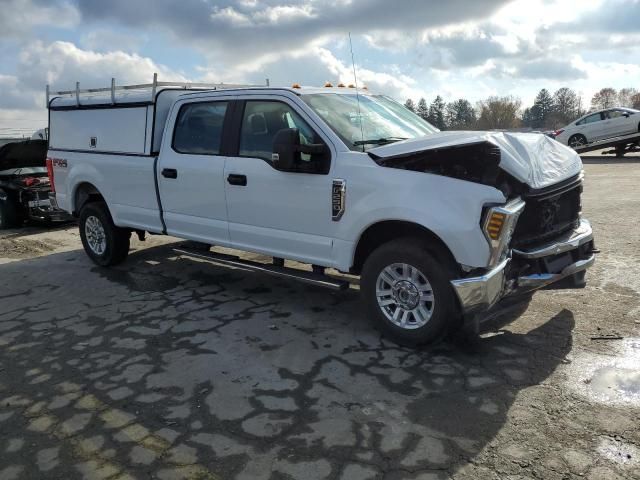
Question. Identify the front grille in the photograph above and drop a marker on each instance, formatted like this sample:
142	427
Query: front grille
548	214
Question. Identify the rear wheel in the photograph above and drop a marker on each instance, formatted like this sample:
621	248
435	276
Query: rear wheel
577	141
8	214
104	242
407	293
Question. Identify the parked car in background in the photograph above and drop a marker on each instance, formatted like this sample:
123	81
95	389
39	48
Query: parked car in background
25	186
597	126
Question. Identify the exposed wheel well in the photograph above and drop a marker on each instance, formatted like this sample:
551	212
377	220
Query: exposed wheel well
85	192
383	232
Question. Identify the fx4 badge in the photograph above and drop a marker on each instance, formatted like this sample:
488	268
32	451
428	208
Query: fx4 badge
338	199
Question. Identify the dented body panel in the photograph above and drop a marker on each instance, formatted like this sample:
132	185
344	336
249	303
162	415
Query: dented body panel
533	159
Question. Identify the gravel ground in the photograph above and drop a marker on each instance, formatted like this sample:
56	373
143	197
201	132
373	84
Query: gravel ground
171	368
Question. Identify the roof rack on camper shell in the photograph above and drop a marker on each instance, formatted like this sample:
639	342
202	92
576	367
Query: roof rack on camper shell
153	87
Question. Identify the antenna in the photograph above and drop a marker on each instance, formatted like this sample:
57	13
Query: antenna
355	77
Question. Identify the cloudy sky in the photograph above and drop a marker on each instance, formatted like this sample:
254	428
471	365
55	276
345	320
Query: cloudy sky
405	48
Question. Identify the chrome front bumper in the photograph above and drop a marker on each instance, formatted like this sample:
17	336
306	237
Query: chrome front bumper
479	294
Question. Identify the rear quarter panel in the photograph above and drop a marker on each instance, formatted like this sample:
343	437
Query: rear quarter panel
126	182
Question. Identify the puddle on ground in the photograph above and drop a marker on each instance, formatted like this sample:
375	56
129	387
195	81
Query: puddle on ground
619	382
611	379
619	452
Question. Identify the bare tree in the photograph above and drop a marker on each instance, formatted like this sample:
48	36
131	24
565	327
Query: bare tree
625	96
567	106
635	101
499	113
605	98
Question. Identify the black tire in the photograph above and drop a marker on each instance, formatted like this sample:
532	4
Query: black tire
574	139
436	269
116	239
8	215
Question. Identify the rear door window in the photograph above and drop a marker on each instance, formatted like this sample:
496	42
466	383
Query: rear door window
596	117
198	129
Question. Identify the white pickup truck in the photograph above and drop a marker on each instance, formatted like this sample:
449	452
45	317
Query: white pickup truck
440	226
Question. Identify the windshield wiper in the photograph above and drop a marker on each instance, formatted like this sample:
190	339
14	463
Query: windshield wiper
378	141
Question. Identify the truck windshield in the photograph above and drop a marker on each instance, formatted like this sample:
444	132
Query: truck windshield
377	121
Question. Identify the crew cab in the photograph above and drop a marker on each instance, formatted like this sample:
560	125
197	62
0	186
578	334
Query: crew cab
440	226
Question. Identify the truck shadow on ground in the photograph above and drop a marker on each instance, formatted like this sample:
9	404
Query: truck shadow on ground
244	376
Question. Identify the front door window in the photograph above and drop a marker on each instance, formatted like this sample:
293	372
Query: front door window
262	120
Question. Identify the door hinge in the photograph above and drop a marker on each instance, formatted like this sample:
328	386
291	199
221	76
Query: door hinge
338	199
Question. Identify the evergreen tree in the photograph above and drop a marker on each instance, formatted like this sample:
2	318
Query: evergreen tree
422	109
527	117
410	105
460	115
540	113
436	113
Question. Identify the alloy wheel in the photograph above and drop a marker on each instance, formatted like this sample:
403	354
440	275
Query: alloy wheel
94	232
405	296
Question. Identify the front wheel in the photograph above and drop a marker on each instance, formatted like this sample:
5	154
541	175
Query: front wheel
104	242
577	141
407	293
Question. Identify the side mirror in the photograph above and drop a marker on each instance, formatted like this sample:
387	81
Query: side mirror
286	148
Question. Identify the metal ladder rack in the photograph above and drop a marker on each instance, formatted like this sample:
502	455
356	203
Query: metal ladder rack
153	86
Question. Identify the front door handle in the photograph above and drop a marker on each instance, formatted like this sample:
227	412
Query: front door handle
169	173
235	179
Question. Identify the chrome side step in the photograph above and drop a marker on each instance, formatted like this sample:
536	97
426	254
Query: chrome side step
281	271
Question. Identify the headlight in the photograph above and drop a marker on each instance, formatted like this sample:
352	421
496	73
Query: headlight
498	226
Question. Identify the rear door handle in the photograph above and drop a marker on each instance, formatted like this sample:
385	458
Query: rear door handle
235	179
169	173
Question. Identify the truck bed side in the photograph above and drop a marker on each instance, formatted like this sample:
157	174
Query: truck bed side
127	182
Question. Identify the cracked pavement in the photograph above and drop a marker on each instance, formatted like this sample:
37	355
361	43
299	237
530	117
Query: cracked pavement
167	367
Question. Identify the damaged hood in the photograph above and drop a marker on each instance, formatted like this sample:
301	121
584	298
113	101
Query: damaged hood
28	153
531	158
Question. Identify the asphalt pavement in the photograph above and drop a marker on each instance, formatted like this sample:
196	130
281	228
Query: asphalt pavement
167	367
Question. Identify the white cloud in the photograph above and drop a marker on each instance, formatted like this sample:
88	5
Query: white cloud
414	48
61	64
